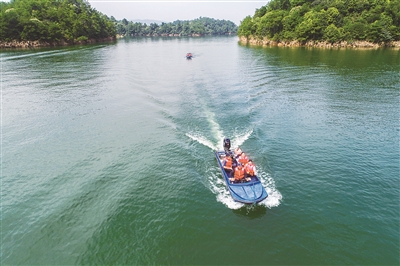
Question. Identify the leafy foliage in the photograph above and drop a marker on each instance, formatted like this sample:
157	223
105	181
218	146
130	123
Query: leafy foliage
201	26
52	20
325	20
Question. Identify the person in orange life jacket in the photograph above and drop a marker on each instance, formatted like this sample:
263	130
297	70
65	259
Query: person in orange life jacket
250	169
243	159
227	164
239	174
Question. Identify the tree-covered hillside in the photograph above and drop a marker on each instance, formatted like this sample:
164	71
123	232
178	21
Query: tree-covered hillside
52	21
325	20
200	26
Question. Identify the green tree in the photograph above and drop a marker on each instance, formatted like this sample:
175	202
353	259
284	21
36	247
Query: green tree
380	30
11	26
355	28
333	34
247	27
291	20
271	25
196	27
312	27
260	12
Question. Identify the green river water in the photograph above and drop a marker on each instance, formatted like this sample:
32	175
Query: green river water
107	154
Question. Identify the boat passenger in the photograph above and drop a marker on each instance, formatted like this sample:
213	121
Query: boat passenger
243	159
234	162
238	151
227	163
239	174
250	169
228	153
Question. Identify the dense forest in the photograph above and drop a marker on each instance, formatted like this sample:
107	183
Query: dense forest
332	21
53	21
75	20
200	26
376	21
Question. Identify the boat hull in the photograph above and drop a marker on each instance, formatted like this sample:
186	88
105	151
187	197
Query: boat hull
248	192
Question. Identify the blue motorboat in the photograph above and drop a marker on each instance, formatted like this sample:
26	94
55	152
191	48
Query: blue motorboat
248	192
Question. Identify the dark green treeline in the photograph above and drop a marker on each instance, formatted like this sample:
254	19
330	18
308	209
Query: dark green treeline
76	20
325	20
200	26
53	21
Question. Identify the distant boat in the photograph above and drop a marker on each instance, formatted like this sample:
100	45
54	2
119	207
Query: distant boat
189	56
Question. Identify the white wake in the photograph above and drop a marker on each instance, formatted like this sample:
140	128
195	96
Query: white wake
202	140
239	139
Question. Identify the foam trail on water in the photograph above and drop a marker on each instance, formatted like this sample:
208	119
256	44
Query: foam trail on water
202	140
216	130
219	188
274	196
239	139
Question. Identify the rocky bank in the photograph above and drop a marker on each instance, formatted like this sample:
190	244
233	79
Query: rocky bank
35	44
356	44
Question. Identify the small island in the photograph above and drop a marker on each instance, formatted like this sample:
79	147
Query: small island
324	23
197	27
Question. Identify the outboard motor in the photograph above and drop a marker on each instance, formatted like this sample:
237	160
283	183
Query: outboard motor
227	145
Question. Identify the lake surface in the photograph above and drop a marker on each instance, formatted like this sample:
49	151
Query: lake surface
107	154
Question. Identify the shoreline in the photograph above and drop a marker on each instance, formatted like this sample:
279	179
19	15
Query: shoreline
174	35
38	44
321	44
242	39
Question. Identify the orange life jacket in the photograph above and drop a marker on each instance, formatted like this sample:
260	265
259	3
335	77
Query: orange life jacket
239	173
243	159
250	169
228	163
